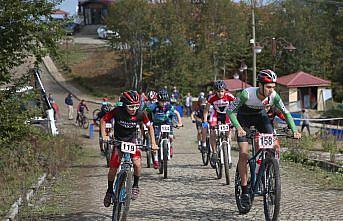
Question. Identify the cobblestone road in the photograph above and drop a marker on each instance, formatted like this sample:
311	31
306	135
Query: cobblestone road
192	192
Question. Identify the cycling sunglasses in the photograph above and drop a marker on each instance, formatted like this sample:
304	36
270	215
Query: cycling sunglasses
133	107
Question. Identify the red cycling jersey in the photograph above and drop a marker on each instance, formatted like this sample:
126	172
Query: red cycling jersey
221	104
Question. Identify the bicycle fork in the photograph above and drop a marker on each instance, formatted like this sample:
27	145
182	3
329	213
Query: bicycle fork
168	148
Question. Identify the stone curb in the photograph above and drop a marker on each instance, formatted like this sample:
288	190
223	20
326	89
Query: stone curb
14	210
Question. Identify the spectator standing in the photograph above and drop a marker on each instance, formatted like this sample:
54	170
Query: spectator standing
188	104
305	121
69	102
54	106
175	94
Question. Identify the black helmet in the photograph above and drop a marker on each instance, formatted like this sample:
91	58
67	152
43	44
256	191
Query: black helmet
130	97
162	95
219	85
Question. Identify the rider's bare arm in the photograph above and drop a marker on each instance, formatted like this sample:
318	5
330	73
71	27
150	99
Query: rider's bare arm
179	121
206	112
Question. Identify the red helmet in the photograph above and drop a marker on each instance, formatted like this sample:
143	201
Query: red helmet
130	97
105	99
152	95
266	76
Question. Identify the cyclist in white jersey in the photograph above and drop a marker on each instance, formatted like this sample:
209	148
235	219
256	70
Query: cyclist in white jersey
250	109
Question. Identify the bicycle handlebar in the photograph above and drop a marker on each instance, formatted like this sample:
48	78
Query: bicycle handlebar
114	142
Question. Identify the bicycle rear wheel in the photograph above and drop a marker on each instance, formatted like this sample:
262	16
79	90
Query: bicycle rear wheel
95	113
226	163
238	191
272	189
123	197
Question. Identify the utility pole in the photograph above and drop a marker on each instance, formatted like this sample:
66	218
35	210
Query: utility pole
253	41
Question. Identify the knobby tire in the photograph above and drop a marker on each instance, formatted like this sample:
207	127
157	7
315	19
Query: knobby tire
165	160
272	190
226	163
121	209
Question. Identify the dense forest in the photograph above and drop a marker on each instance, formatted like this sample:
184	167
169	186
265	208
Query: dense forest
191	44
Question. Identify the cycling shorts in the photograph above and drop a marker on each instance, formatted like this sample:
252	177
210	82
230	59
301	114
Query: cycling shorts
260	121
218	117
198	125
117	154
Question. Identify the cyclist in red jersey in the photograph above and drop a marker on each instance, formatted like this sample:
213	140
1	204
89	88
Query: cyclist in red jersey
220	101
126	118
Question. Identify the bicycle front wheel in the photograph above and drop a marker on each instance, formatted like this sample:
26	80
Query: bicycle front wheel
123	197
165	160
226	162
219	165
148	151
108	153
205	153
272	189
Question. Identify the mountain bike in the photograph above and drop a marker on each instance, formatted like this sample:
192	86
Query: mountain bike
164	148
263	174
82	120
121	197
223	148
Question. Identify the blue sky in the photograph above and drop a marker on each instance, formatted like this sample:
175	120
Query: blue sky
69	6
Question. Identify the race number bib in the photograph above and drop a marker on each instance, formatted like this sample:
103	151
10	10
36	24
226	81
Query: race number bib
224	128
266	141
108	125
165	128
127	147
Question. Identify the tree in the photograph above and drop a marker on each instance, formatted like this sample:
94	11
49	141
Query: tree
26	29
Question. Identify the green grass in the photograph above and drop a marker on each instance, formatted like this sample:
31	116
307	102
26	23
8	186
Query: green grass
313	174
95	70
15	186
54	200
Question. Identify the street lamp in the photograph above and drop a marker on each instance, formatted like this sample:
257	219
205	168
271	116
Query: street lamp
275	43
244	69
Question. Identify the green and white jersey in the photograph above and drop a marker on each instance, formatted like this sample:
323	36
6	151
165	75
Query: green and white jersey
248	103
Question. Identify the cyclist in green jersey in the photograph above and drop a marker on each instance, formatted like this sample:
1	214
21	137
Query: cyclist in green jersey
250	109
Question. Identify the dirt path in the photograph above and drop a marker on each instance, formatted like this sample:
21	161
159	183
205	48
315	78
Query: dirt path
191	192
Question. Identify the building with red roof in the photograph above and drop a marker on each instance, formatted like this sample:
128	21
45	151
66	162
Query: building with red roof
94	11
235	85
303	90
59	14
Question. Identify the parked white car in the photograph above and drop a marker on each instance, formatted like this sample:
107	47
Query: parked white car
104	33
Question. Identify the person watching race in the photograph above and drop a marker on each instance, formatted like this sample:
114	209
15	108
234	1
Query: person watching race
220	101
126	118
162	112
250	109
81	110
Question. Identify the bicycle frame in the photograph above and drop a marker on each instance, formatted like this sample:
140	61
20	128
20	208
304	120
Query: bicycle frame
125	165
223	137
164	137
260	154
